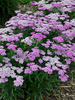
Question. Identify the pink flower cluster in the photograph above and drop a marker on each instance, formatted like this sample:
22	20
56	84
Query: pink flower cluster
19	81
59	39
15	37
20	56
42	27
11	46
8	71
27	40
33	54
2	51
39	36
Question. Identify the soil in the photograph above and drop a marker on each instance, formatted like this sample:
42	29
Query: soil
67	89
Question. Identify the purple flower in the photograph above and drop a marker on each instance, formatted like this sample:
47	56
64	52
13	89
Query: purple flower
34	67
59	39
19	70
2	51
68	61
40	60
28	70
21	60
64	78
61	72
29	64
6	60
13	47
48	52
19	81
17	11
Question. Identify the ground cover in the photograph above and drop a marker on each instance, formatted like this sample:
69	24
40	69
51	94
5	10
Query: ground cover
36	42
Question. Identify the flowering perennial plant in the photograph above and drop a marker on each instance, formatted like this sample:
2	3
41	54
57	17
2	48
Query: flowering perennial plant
35	47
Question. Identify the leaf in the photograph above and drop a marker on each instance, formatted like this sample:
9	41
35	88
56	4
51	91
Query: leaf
56	86
51	87
35	96
12	92
48	89
30	78
1	96
47	93
28	98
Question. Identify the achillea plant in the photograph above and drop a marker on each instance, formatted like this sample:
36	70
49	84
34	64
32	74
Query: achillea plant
34	54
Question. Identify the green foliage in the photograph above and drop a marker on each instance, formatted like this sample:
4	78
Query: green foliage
9	91
27	1
71	14
7	8
44	82
34	86
1	58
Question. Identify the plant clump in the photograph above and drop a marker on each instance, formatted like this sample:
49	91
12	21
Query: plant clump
36	50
